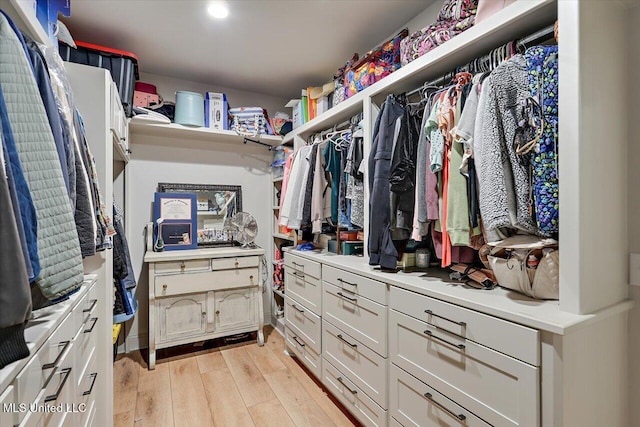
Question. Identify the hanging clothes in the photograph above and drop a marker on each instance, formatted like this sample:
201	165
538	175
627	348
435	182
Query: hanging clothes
58	247
504	187
321	197
333	165
381	248
292	196
285	186
355	183
542	73
15	295
308	190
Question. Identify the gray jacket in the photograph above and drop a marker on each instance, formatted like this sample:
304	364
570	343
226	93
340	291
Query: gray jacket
15	295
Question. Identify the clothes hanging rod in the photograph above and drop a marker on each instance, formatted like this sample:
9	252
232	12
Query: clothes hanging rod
538	35
269	147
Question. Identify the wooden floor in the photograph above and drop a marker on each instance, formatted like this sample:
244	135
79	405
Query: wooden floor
235	385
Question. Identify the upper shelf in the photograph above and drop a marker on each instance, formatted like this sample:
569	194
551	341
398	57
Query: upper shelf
23	13
513	22
202	134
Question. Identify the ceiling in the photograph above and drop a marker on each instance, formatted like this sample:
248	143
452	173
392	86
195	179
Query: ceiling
271	47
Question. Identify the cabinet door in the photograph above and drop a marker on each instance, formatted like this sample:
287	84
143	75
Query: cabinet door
235	309
182	316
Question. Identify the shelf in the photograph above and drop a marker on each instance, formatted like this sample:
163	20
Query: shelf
277	292
518	20
210	213
276	180
174	132
284	237
25	18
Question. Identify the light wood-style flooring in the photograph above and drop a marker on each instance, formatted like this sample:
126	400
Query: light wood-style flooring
235	385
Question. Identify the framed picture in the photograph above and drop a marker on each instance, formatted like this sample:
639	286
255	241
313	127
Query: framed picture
215	205
178	228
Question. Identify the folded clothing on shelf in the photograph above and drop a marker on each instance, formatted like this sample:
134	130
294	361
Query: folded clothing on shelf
250	121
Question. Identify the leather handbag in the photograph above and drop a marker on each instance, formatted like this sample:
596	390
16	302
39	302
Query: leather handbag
508	261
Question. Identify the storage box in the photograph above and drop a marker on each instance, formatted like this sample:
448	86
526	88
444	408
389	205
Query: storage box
296	113
122	65
216	111
322	105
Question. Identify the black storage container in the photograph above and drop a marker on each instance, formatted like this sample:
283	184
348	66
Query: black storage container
122	65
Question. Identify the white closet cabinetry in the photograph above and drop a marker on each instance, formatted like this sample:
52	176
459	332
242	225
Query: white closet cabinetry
200	294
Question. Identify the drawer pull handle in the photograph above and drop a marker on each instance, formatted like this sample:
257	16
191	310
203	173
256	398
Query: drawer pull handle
236	264
348	283
65	345
460	346
300	275
182	266
431	313
91	307
296	264
345	341
340	294
297	309
88	392
301	344
94	320
429	397
66	372
341	381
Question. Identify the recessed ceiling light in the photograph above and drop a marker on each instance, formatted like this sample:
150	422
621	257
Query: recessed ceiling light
218	10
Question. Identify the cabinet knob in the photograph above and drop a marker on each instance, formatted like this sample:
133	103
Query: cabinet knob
236	264
251	278
182	266
164	287
204	314
218	312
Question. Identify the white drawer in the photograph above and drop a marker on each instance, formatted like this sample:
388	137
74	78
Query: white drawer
416	404
304	322
88	339
59	390
43	366
88	385
7	397
355	284
506	337
32	419
85	308
304	289
301	266
497	388
186	266
233	263
179	284
307	355
91	416
359	317
353	398
366	368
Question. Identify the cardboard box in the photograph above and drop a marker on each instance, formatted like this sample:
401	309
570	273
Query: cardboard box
216	111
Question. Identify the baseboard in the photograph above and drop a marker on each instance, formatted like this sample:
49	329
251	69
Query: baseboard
133	343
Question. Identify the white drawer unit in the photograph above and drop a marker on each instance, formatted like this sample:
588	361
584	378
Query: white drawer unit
304	352
302	266
358	316
179	284
365	368
497	388
86	390
234	263
7	398
182	266
202	294
506	337
304	289
352	397
305	323
356	285
414	403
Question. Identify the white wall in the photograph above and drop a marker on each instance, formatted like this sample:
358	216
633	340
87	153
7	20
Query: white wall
633	173
167	87
245	165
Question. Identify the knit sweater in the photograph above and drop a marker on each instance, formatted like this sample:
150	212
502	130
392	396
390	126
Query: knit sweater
504	187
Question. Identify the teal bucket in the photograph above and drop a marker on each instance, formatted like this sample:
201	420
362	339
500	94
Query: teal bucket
189	109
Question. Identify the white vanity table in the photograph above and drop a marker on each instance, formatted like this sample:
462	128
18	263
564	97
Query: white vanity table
200	294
